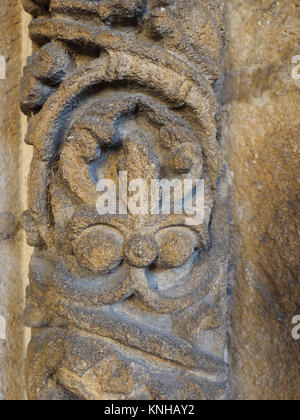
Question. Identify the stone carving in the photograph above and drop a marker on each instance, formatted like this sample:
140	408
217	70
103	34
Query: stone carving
124	306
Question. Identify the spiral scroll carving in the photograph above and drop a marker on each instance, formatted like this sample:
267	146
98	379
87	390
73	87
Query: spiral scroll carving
124	306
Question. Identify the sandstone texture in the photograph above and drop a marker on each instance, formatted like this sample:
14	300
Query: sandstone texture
262	131
139	306
125	305
12	384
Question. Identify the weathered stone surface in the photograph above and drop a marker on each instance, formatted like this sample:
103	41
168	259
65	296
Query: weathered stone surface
262	132
124	306
12	349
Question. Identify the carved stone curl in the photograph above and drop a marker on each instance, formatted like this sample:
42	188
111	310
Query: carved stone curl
123	306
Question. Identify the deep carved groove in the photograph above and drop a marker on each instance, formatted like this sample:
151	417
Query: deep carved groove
124	306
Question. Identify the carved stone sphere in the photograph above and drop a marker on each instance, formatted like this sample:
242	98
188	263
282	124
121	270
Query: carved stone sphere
99	249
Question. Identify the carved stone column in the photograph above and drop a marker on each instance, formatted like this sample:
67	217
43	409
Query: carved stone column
124	306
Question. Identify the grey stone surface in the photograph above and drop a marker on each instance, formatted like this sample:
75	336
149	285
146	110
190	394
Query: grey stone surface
124	307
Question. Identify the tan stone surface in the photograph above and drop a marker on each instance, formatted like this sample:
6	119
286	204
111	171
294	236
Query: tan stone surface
262	132
11	287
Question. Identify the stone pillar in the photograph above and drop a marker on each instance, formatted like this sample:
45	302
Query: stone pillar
261	133
134	306
12	347
129	304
